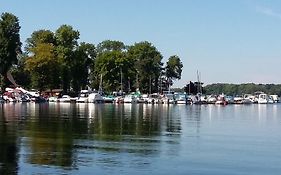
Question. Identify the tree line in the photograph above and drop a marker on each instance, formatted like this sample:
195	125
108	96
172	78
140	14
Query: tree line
57	60
239	89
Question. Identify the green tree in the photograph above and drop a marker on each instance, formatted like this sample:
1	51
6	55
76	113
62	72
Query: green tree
147	65
67	42
105	67
40	36
109	45
42	58
9	42
173	69
43	66
240	89
114	67
84	58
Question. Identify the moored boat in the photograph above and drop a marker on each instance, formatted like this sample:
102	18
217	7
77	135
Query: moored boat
64	99
95	98
263	98
130	99
83	96
221	100
169	99
181	98
275	98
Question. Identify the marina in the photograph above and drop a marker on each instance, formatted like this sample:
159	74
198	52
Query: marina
115	87
86	96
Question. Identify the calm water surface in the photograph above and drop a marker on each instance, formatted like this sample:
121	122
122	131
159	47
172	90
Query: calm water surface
139	139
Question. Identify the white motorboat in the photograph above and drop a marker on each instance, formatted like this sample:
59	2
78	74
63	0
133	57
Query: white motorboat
270	100
108	99
238	99
211	99
130	99
83	96
248	99
181	98
64	98
53	99
95	98
275	98
154	98
169	99
263	98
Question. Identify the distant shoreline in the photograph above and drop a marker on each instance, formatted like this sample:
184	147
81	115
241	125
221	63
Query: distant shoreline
244	88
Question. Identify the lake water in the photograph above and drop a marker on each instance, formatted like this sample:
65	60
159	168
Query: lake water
140	139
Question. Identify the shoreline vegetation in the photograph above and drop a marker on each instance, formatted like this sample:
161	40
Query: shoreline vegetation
245	88
233	89
58	60
50	60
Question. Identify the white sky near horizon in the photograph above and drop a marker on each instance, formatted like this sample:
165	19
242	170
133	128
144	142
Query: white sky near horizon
227	41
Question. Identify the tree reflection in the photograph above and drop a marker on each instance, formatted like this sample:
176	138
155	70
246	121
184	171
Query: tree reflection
57	134
50	137
126	119
8	144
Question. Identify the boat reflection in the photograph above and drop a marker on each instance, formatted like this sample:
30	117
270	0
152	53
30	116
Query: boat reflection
62	134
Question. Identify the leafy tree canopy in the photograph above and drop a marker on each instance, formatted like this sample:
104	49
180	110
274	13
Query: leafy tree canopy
239	89
38	37
66	36
109	45
9	41
174	67
148	65
43	66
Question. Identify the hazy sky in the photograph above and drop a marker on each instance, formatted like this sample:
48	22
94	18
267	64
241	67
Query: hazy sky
228	41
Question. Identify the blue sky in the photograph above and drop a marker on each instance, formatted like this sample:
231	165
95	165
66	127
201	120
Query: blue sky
234	41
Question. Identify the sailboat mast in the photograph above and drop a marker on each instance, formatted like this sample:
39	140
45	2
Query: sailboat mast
100	85
121	80
200	82
198	85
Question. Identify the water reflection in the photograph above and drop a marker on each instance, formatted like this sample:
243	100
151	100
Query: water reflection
69	138
8	143
65	134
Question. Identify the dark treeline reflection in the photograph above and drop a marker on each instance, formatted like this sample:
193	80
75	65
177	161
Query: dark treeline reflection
54	134
8	145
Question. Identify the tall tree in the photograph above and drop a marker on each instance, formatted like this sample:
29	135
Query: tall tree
147	65
110	45
9	41
84	58
113	65
107	68
173	69
40	36
67	40
40	58
43	66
